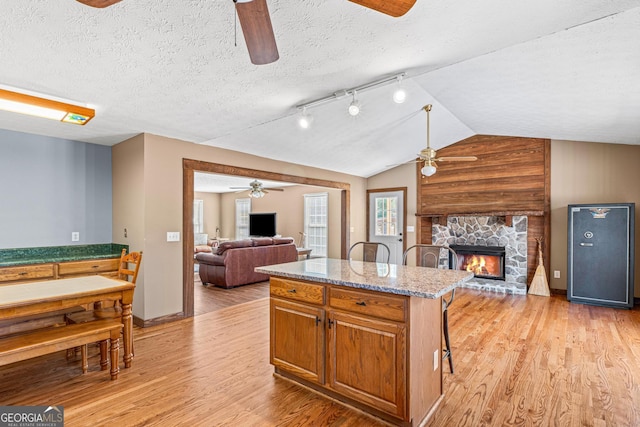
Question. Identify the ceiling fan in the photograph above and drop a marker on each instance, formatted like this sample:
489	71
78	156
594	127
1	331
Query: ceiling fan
256	23
428	154
256	189
393	8
254	20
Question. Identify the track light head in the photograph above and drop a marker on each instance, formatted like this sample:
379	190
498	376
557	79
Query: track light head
399	95
305	120
354	107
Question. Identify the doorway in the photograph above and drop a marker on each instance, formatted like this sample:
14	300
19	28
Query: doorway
189	167
386	217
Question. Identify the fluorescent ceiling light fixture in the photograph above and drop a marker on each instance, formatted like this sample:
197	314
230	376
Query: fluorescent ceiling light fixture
305	119
46	108
354	107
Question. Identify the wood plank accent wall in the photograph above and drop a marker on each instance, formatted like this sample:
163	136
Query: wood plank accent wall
510	177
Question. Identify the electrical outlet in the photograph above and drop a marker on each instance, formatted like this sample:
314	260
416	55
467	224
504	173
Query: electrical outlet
173	236
556	274
436	359
75	236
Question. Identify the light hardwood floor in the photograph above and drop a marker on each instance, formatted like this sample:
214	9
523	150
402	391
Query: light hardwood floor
519	361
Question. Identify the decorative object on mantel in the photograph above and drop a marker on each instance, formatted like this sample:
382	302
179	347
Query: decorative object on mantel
539	285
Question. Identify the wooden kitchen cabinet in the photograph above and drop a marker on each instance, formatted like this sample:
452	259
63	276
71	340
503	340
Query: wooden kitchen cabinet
367	360
298	339
88	267
27	272
352	344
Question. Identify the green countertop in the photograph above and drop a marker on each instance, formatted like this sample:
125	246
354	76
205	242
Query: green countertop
47	254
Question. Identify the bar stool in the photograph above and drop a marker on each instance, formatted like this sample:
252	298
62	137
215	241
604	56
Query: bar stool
429	256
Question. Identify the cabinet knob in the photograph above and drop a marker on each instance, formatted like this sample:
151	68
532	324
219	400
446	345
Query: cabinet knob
330	323
293	291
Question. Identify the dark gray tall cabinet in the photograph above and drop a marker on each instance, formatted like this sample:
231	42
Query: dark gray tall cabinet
601	254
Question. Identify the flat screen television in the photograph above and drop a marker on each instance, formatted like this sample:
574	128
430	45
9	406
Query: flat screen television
262	224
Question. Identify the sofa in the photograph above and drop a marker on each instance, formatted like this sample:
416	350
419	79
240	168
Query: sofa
232	263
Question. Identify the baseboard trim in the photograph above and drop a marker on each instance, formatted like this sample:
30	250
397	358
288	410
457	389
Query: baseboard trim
158	320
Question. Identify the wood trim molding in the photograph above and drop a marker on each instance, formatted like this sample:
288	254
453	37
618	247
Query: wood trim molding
190	166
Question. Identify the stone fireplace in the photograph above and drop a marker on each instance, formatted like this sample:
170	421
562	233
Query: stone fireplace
493	234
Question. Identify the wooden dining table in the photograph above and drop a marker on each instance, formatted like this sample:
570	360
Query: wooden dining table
41	297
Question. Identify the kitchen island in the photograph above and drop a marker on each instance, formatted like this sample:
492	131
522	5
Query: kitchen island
367	334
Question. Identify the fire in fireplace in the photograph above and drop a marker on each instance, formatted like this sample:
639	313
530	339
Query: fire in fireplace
486	262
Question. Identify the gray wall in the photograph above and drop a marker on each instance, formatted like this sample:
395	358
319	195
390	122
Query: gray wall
51	187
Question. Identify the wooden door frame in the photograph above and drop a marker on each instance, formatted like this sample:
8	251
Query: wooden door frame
190	166
404	211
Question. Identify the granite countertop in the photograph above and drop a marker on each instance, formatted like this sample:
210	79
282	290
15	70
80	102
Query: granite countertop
51	254
389	278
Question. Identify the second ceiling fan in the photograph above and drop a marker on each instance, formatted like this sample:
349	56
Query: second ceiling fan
428	154
256	23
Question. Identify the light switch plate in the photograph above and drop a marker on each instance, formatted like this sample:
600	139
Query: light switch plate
556	274
436	358
410	229
75	236
173	236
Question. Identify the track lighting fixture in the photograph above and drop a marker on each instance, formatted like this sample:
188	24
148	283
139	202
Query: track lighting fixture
305	119
399	95
354	107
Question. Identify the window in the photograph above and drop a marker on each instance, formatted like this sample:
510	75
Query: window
386	216
198	216
316	223
243	207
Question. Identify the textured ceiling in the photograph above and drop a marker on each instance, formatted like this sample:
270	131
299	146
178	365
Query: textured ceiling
563	70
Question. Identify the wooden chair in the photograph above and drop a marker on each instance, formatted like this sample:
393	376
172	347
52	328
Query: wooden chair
370	251
127	270
430	256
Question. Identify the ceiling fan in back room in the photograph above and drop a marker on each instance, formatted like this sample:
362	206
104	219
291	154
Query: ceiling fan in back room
256	189
256	22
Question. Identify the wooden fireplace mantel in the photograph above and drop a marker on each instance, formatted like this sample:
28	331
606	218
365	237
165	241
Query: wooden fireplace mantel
438	218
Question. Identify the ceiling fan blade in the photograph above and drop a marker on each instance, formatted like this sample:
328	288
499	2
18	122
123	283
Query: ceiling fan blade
258	32
275	189
99	3
457	159
393	8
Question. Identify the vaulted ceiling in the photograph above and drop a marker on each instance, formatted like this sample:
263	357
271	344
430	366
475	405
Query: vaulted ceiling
565	70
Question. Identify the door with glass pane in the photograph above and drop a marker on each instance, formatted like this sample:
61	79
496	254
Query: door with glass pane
386	221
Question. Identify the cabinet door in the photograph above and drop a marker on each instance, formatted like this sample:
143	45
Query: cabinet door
367	361
297	339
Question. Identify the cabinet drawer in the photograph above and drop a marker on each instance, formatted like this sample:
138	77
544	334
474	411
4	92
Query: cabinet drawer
88	267
386	306
296	290
26	272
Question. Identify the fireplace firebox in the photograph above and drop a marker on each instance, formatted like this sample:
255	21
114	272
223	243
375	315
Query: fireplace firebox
485	262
